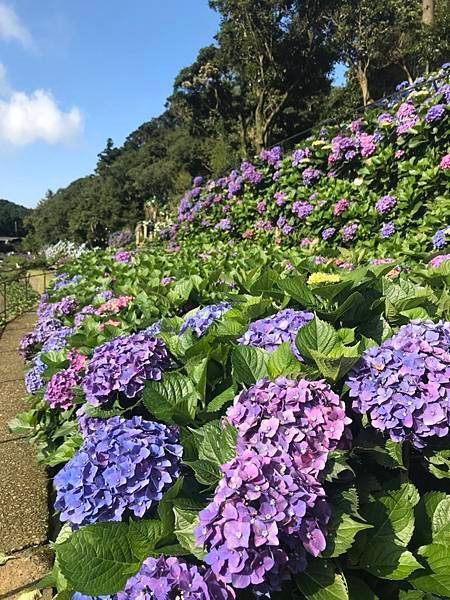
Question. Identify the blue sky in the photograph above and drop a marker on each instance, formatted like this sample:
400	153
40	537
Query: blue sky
73	73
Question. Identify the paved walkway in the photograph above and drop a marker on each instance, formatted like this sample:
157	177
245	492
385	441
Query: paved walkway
23	483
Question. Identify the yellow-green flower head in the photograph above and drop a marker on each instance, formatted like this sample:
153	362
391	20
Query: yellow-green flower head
321	278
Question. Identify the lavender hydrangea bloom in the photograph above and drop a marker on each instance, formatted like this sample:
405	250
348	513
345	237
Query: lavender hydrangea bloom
272	157
385	205
62	308
223	225
305	419
164	578
123	465
439	238
203	318
264	515
348	232
302	209
57	340
33	378
63	280
270	332
44	330
310	176
435	113
122	365
60	390
387	230
328	233
250	173
103	296
82	314
404	385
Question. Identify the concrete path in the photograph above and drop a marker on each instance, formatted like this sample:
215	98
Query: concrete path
23	483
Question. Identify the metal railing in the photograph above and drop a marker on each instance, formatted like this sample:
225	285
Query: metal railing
20	290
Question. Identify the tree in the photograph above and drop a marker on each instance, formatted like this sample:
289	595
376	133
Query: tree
360	34
278	52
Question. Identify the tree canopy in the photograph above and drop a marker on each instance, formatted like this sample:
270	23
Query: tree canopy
267	76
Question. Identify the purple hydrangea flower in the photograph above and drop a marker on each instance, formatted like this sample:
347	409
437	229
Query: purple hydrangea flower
310	176
261	207
340	207
45	328
305	419
299	154
250	173
197	181
302	209
264	515
270	332
404	385
122	365
328	233
82	314
406	118
204	317
348	232
57	340
437	261
49	310
445	162
223	224
60	390
439	239
387	230
122	465
63	280
272	157
33	378
164	578
123	256
385	205
435	113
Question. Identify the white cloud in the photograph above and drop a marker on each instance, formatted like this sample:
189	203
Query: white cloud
11	27
28	118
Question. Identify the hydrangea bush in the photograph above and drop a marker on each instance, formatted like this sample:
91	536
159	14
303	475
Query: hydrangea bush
196	455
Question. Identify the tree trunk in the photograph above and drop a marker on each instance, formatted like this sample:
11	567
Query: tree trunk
407	71
361	76
428	12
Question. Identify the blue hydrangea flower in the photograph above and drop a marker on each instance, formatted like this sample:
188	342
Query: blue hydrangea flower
33	378
203	318
122	365
170	577
435	113
122	465
387	230
439	239
404	385
270	332
328	233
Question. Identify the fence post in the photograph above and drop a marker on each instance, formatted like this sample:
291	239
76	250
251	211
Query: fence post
4	301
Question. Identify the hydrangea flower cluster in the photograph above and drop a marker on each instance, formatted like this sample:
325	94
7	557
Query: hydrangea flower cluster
45	328
302	209
340	207
385	205
60	390
264	515
270	332
63	280
82	314
203	318
57	340
328	233
304	419
103	296
406	118
387	230
404	385
437	261
114	305
444	163
164	578
166	280
310	176
119	239
63	307
122	365
122	465
123	256
323	278
348	232
435	113
33	378
439	239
